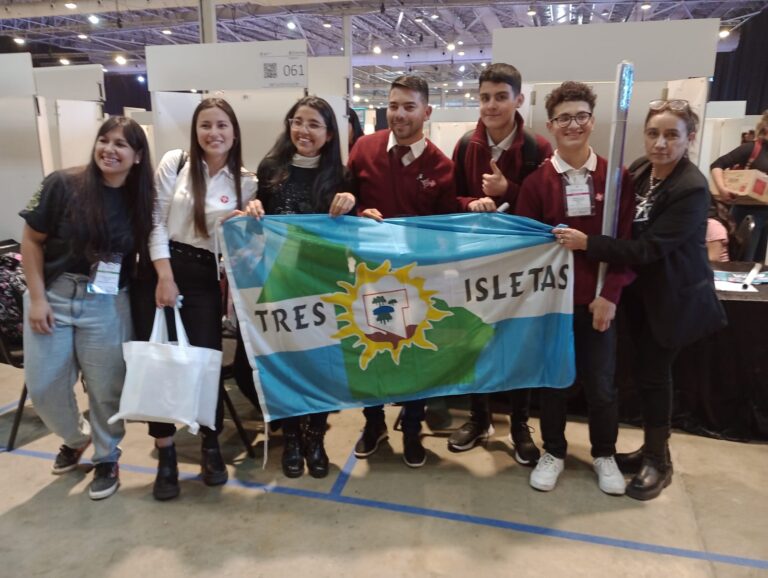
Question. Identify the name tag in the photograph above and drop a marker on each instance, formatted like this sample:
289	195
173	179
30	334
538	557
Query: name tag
105	276
578	200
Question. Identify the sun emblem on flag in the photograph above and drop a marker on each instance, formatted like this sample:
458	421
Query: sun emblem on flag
387	310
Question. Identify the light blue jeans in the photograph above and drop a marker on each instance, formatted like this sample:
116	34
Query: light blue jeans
87	339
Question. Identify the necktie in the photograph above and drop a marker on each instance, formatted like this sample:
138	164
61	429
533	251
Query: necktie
400	151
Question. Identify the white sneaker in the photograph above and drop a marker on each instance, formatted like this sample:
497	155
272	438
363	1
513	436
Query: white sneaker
544	475
609	477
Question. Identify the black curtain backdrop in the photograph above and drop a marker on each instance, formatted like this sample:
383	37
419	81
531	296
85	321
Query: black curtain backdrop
125	90
743	73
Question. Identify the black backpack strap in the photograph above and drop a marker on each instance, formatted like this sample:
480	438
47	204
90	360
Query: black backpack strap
459	167
530	152
182	161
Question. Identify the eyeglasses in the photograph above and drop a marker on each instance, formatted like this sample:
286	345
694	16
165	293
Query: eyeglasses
311	125
678	105
565	120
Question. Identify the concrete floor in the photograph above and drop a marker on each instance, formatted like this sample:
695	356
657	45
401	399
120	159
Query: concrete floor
461	514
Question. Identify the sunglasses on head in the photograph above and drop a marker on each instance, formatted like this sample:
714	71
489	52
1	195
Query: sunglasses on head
678	105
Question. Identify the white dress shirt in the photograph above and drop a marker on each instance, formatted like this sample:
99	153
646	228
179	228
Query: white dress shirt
572	175
497	149
173	217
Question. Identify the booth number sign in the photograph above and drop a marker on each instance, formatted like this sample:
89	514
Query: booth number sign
284	70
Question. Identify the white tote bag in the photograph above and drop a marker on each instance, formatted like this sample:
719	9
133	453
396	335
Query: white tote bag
168	382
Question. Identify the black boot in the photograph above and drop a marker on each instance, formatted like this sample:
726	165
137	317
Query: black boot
293	460
656	471
166	485
314	452
631	462
212	466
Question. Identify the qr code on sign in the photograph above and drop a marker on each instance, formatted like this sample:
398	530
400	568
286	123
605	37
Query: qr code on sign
270	70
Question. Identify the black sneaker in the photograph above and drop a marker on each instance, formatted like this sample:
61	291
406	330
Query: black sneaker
373	434
106	480
526	452
469	435
212	467
68	458
414	454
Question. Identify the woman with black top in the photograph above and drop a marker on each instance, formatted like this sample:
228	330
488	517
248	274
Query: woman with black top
752	155
672	302
303	174
193	193
83	230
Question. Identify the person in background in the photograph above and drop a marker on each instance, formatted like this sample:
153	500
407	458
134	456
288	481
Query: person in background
303	174
491	163
752	155
194	191
672	303
570	188
355	130
398	173
720	230
84	228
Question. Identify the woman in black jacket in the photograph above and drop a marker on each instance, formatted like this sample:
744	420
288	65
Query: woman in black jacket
673	299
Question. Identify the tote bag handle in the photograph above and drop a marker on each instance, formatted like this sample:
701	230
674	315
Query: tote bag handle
160	329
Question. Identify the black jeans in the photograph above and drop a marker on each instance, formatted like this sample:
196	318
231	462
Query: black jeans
195	276
413	414
595	365
519	399
653	377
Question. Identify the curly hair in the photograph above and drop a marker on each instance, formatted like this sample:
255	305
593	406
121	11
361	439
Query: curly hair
570	91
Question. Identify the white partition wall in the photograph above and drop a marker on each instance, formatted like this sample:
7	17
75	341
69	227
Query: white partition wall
20	161
73	96
665	50
261	93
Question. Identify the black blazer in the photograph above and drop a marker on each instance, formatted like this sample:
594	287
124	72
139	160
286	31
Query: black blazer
674	278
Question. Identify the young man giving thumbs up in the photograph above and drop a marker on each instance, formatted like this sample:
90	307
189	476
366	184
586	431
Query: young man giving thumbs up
490	164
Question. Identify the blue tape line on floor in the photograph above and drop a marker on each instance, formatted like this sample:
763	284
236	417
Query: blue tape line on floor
453	516
343	478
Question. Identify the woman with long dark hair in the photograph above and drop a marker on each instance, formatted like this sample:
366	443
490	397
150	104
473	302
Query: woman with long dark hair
303	173
84	229
673	302
193	193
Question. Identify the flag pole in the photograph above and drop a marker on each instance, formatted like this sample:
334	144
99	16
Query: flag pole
625	79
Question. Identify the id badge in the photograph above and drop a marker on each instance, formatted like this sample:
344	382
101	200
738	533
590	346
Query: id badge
578	201
105	276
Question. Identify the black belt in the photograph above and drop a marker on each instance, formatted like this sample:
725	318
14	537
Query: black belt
193	253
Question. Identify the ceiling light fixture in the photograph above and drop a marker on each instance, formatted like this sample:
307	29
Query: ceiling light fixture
167	32
377	49
93	19
462	68
724	33
327	25
291	25
19	41
645	6
357	85
120	59
82	36
434	16
70	6
64	61
466	95
461	53
141	79
419	19
395	56
531	11
460	43
356	98
460	83
483	64
451	46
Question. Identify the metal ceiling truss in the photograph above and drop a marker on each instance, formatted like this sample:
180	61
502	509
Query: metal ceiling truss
419	34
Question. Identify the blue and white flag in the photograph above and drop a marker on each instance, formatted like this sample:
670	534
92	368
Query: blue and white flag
349	312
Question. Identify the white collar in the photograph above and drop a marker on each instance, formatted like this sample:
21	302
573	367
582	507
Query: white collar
417	148
506	141
305	162
224	170
563	167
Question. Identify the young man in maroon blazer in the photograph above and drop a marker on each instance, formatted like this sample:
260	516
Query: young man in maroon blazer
490	165
570	188
398	173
